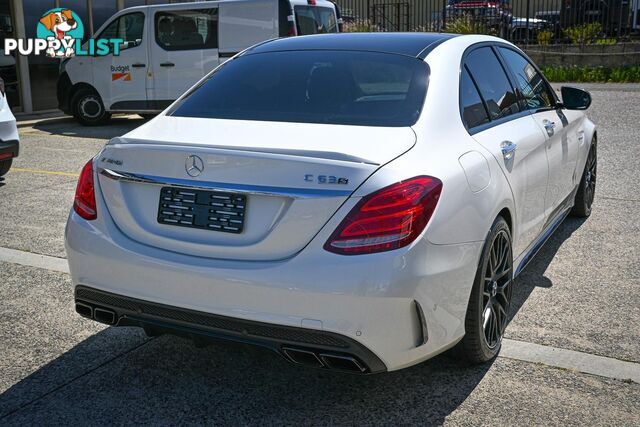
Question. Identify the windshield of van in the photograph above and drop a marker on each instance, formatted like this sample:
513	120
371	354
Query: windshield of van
315	20
333	87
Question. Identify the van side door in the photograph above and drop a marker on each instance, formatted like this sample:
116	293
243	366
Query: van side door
121	80
184	49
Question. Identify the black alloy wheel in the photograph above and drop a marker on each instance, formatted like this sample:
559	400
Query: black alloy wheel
490	301
586	192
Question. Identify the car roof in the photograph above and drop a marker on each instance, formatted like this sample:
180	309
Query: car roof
416	45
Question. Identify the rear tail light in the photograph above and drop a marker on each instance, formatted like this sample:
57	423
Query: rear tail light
387	219
85	201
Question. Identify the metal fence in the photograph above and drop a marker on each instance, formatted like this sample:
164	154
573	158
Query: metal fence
522	21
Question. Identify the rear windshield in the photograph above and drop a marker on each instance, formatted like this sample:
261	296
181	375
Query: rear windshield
315	20
332	87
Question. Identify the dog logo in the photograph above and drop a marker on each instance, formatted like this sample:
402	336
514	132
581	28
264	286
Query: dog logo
63	25
194	166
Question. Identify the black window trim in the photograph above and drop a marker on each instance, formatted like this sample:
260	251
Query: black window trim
515	80
492	122
135	12
155	28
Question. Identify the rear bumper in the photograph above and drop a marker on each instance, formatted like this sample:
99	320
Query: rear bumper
9	149
321	347
399	307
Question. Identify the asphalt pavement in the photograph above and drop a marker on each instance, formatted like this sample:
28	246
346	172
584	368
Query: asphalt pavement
580	293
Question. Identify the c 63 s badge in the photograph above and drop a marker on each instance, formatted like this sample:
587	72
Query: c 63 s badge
326	179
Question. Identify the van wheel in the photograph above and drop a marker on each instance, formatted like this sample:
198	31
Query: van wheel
490	301
88	108
5	165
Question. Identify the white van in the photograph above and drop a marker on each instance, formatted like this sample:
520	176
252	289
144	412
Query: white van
168	48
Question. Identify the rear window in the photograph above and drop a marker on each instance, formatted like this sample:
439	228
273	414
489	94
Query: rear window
315	20
332	87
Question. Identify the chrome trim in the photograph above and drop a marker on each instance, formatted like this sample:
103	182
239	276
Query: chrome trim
263	190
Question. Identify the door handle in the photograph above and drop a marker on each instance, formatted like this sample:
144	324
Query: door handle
167	64
549	126
138	65
508	149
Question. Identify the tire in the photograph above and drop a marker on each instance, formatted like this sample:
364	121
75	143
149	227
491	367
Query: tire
88	108
490	298
587	187
5	165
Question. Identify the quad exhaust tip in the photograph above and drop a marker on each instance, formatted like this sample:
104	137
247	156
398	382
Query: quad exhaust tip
334	362
99	314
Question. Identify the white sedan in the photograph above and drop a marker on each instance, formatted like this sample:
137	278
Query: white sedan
356	202
9	140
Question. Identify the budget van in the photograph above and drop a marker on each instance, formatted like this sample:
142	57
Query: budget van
166	49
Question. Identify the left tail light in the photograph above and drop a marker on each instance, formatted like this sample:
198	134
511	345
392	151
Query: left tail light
387	219
85	200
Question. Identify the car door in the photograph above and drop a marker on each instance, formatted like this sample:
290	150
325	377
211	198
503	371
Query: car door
184	50
493	116
121	80
561	135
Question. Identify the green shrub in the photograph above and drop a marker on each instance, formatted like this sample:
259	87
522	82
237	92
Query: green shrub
465	24
360	26
607	42
593	74
584	34
544	37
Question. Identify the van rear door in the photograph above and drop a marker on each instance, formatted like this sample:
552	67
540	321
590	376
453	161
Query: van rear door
184	48
245	23
314	17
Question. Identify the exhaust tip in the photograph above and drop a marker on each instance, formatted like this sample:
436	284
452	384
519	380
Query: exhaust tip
302	357
103	315
84	310
342	363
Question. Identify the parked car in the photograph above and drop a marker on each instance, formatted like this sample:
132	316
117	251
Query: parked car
315	196
613	15
523	29
9	140
492	14
168	48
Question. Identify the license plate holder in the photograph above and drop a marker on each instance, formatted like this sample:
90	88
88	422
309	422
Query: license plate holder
205	209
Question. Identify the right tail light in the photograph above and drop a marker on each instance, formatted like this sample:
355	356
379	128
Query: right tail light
387	219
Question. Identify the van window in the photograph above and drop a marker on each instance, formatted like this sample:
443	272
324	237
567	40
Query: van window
187	29
315	20
332	87
129	28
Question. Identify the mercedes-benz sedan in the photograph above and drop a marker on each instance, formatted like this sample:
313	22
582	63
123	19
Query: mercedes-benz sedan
357	202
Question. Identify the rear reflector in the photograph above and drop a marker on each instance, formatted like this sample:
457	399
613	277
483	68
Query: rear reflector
387	219
85	201
6	156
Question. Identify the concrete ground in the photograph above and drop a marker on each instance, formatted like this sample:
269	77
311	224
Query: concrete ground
580	293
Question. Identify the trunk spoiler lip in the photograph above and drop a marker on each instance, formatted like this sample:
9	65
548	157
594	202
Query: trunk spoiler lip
297	193
325	155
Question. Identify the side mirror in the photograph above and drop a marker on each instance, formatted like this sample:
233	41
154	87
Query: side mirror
574	98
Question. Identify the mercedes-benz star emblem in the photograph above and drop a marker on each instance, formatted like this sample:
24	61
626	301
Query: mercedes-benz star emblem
194	166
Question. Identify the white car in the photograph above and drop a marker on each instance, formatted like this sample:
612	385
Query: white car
9	140
357	202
